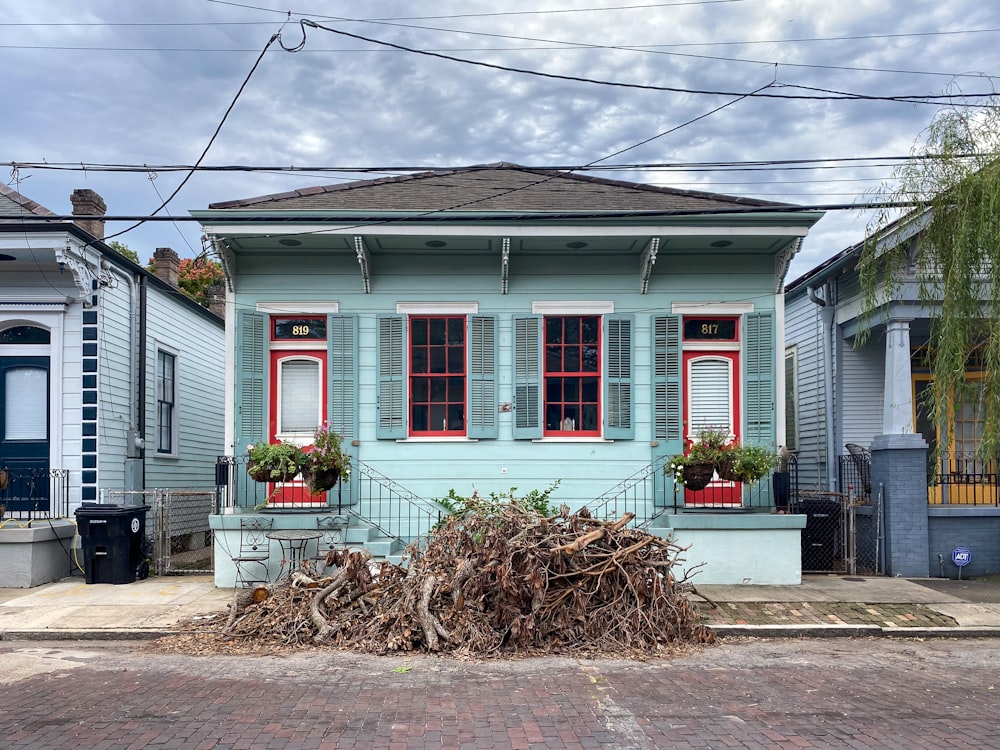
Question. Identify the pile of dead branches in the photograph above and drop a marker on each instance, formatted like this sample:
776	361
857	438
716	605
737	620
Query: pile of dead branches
508	581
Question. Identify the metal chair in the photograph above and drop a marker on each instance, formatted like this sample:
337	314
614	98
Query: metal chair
333	530
254	550
862	459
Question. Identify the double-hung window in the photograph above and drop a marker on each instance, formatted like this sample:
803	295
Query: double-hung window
572	374
166	402
437	375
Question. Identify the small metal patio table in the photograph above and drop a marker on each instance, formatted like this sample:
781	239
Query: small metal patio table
293	544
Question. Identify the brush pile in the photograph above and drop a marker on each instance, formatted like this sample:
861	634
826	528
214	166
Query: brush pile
503	580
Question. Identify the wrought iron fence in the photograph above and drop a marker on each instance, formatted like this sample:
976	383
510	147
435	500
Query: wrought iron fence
963	479
34	493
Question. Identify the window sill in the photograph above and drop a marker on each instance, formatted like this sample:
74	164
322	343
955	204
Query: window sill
580	439
442	439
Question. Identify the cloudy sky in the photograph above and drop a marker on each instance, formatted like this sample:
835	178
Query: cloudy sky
145	84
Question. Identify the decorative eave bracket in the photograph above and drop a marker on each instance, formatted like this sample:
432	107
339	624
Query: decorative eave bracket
364	260
212	245
504	264
782	261
646	263
86	271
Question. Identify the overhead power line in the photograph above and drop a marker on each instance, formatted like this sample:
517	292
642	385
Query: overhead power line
768	164
822	94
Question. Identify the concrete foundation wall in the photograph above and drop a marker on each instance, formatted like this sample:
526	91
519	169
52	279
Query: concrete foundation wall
35	554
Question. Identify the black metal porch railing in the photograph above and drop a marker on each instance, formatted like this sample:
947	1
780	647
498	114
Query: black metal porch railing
34	493
963	479
368	495
649	493
637	494
774	492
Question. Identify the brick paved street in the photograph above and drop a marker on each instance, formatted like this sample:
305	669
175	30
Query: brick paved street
810	693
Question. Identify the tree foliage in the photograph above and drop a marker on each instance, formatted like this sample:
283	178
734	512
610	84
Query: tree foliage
123	249
955	263
197	276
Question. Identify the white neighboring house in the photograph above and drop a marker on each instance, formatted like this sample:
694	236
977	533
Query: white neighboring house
110	377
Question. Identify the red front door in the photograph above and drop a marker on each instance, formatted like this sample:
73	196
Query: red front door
296	409
712	400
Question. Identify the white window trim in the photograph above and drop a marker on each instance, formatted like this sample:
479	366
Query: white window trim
711	308
573	307
51	316
298	308
298	438
437	308
174	451
687	379
793	350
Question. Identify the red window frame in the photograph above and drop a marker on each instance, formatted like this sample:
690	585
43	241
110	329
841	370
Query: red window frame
572	355
437	375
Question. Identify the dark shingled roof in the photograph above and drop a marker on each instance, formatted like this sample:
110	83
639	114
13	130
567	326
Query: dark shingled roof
493	187
15	205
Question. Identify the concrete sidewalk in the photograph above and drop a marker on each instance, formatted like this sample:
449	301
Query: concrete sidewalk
822	605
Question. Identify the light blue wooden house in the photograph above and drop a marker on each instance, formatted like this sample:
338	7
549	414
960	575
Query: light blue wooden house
110	379
869	395
499	326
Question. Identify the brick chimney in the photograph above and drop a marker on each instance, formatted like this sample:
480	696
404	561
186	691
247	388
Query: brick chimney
88	203
217	299
167	265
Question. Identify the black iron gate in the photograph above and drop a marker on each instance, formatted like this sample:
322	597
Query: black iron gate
843	532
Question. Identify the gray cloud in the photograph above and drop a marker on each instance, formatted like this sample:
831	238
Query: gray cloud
153	94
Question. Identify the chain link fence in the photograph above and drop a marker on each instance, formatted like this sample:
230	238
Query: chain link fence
177	528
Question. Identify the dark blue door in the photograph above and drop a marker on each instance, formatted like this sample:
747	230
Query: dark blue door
24	432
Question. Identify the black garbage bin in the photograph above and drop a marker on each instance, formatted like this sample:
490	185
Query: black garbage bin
113	541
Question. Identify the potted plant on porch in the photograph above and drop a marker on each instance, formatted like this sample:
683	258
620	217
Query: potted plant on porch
325	462
274	462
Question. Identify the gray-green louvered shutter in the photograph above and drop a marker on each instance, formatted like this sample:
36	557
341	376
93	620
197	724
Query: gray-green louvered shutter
342	394
482	377
758	377
668	422
619	413
391	377
527	377
250	379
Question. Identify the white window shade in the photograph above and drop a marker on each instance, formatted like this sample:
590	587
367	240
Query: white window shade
300	397
710	395
26	407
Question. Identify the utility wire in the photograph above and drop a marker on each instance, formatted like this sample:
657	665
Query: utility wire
204	153
835	162
830	93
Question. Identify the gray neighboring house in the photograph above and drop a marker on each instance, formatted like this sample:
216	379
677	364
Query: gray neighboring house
110	377
843	395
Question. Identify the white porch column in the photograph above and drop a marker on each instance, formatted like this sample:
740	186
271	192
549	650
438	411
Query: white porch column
897	409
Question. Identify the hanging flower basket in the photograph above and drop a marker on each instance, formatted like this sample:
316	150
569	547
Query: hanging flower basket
697	475
263	474
320	480
726	468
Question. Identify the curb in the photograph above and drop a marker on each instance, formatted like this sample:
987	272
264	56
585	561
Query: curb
86	635
851	631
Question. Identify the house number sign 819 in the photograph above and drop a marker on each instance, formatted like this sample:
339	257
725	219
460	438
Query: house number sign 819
297	329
